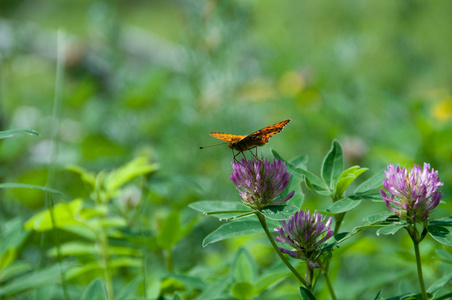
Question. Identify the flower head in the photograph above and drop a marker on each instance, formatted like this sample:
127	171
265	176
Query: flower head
305	233
413	193
260	182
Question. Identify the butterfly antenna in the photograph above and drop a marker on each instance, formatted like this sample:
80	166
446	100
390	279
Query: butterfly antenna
213	145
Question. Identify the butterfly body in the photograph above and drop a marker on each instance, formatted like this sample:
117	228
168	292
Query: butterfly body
243	143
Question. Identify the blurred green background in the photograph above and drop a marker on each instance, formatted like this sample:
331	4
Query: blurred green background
156	77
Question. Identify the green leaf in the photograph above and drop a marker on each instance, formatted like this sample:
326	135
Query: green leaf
445	222
378	295
341	206
215	206
277	156
36	279
336	239
407	296
119	262
171	231
299	161
138	166
305	294
292	167
11	133
233	229
95	290
81	231
341	236
354	170
85	175
122	262
390	229
220	209
82	248
447	296
279	212
268	278
245	269
153	286
298	198
113	221
346	178
371	184
12	185
176	296
444	255
440	283
372	196
127	292
314	183
379	217
333	165
15	269
65	214
74	248
12	235
82	269
7	257
243	290
440	234
216	289
190	281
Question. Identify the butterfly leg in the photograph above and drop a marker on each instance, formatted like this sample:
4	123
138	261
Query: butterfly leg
234	155
254	155
243	154
237	154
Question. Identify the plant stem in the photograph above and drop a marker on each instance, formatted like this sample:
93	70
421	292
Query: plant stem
272	241
102	239
308	276
106	263
327	280
419	270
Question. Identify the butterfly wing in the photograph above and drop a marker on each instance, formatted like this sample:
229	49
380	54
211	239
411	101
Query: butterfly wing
260	137
227	137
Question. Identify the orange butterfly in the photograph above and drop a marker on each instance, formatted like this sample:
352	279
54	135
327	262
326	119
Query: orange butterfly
242	143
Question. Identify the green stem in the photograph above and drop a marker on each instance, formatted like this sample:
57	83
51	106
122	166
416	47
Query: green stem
309	276
419	270
272	241
339	219
106	263
102	238
327	280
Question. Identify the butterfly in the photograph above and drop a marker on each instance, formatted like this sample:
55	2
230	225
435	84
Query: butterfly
256	139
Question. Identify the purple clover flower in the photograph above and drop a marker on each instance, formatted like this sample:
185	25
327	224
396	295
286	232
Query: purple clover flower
305	233
413	193
260	182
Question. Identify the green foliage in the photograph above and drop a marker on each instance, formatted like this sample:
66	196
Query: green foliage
11	185
105	186
96	220
231	230
33	280
11	133
306	294
441	234
95	290
152	79
333	166
335	182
